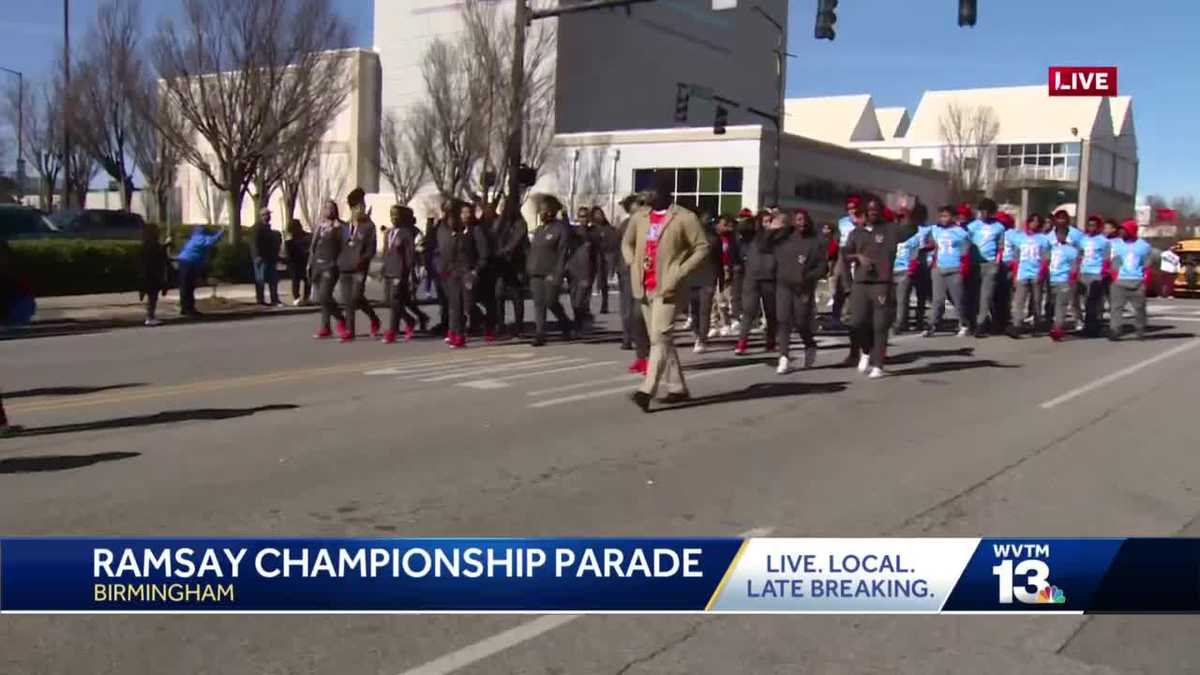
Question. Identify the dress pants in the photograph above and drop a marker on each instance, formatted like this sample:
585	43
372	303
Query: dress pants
326	281
664	368
1095	289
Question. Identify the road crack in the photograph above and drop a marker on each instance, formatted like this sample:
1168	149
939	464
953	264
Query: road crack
685	637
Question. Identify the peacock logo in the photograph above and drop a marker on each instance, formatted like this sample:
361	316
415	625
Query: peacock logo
1051	595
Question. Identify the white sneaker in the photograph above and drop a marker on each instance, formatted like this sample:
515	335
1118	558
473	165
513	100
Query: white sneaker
297	302
153	322
698	348
876	373
735	328
713	332
724	332
687	323
783	365
810	357
963	332
864	362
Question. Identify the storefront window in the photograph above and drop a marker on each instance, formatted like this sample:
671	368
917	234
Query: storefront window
716	190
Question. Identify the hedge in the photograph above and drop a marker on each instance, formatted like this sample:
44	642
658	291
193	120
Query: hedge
83	266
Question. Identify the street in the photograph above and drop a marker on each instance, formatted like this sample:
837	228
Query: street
252	428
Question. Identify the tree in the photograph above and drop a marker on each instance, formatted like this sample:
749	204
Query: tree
1185	206
1155	201
78	171
42	135
967	134
324	180
241	75
102	117
398	160
153	153
446	126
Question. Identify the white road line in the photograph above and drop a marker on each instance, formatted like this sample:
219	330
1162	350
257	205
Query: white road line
472	372
1113	377
499	382
425	364
464	364
617	390
583	385
474	653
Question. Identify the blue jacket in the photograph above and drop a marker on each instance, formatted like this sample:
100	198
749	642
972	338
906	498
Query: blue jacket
196	248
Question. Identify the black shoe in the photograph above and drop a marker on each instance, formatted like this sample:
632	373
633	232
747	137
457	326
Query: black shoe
980	333
626	347
1113	338
676	397
1013	332
538	341
641	400
929	332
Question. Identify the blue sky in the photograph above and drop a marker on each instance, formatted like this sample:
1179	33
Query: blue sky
895	49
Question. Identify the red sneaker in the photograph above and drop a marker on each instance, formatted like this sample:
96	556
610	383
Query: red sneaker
638	366
642	366
772	347
408	333
389	337
452	339
460	341
741	347
341	328
323	334
1057	334
489	337
375	329
346	337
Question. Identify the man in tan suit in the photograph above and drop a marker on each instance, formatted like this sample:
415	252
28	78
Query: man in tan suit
662	245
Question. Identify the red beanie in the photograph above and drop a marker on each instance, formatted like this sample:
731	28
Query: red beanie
888	215
745	213
965	210
853	202
1130	227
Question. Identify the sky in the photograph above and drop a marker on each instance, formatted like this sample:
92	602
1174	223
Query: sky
894	50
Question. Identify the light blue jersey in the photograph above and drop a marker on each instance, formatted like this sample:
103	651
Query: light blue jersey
845	227
1063	258
926	234
987	237
1009	252
906	252
1132	258
1032	250
952	243
1075	236
1096	249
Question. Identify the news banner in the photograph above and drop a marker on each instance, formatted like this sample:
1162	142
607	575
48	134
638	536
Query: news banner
578	575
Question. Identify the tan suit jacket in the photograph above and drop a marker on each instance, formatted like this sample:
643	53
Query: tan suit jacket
681	249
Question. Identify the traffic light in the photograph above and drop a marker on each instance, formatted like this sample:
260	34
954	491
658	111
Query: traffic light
967	11
682	94
721	119
527	176
826	18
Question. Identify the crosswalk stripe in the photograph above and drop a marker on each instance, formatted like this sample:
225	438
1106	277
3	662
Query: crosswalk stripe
584	385
499	382
471	372
618	390
442	362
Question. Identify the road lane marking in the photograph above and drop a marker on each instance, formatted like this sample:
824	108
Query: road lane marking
203	386
584	385
1113	377
502	382
417	366
617	390
474	653
526	365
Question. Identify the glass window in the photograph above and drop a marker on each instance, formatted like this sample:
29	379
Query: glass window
1030	149
1073	148
1073	161
710	180
731	204
1044	160
690	201
1029	160
643	179
710	204
1001	150
686	180
1044	148
731	179
1059	161
927	163
1058	148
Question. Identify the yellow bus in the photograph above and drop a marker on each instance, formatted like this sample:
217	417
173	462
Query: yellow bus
1187	279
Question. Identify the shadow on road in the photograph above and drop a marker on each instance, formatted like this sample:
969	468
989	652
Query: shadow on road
149	420
69	391
934	368
911	357
47	463
756	392
736	362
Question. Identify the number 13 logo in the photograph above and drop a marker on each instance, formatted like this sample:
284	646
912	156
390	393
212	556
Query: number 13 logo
1036	574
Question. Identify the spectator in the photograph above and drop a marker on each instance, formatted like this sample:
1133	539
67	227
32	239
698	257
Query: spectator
152	270
191	262
296	250
264	249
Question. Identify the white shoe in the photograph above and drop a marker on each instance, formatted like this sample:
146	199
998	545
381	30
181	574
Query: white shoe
963	332
876	373
864	362
783	366
153	322
698	348
724	332
687	323
810	357
735	328
713	332
297	302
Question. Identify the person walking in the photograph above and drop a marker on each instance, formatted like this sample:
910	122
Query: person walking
296	250
608	252
758	291
354	262
264	252
549	247
508	260
328	238
950	262
399	267
727	257
1028	269
480	221
581	269
1094	272
459	261
191	260
702	289
872	250
800	262
1130	278
841	273
987	237
1062	274
907	266
153	263
633	327
663	246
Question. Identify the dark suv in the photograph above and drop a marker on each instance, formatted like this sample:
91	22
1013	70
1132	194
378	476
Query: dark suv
23	222
99	224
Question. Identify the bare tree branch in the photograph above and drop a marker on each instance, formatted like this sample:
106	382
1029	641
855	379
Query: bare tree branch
42	133
967	134
445	126
398	160
153	153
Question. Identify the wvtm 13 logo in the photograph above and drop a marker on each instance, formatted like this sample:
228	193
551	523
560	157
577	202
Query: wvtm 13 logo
1024	575
1083	80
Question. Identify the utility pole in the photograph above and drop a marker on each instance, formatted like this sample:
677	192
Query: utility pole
20	128
780	85
66	149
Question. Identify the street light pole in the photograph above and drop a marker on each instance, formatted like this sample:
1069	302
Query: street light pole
516	104
780	54
20	127
66	160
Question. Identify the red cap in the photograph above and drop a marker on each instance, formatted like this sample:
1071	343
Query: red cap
888	215
1006	218
853	202
1095	219
1062	212
745	213
1131	227
965	210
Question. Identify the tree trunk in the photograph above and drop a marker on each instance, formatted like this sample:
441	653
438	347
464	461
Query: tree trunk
290	194
126	187
234	198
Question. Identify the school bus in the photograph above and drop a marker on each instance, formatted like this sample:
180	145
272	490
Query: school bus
1187	279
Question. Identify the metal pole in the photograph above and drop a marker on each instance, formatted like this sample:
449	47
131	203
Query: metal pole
516	110
20	126
778	118
66	193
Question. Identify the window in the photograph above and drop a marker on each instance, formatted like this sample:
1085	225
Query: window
1051	161
716	190
927	164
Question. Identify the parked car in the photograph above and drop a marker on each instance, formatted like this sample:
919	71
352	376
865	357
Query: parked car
23	222
99	224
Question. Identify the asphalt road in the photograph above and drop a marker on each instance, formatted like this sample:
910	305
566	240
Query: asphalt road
252	428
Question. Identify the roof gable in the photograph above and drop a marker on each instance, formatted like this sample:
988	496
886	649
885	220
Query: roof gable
833	119
1026	113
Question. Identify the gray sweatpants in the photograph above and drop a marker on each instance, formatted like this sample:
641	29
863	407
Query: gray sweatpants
1095	288
1133	292
987	290
947	282
1026	291
1061	292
